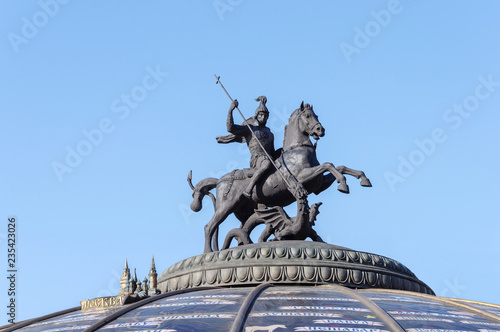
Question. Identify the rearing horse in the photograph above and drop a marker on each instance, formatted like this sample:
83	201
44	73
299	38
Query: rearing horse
298	161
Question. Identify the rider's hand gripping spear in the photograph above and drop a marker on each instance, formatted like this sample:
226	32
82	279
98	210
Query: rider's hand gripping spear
297	189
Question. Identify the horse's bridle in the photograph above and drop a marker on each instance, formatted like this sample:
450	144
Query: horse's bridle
308	126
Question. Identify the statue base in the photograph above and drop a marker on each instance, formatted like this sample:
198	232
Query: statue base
290	262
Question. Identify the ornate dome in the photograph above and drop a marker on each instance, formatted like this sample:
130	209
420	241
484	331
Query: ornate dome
291	262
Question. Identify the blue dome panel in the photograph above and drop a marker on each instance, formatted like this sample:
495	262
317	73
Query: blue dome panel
278	308
205	310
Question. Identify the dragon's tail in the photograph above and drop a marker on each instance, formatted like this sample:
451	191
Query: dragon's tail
239	234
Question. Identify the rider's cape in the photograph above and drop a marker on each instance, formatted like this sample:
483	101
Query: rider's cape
231	138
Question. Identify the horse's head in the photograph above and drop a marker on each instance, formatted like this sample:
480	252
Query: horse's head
302	124
308	120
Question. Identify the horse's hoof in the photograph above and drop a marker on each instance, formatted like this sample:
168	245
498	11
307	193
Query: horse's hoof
366	183
343	188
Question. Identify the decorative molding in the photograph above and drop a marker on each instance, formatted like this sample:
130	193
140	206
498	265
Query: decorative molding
290	262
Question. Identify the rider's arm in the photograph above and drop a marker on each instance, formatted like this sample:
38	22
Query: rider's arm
231	127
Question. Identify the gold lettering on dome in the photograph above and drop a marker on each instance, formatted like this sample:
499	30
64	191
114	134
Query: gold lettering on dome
101	302
85	304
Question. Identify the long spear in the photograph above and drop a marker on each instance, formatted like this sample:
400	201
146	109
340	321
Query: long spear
258	141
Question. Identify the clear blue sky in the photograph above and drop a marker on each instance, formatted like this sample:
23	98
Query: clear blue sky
408	91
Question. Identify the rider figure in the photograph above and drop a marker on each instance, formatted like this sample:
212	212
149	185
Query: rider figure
259	161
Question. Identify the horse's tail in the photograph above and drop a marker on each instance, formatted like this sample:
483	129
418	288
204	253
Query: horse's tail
201	189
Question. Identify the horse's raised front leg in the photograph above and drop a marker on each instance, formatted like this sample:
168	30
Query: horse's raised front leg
308	174
357	174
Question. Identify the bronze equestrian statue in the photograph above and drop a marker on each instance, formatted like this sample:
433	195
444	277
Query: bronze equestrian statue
298	171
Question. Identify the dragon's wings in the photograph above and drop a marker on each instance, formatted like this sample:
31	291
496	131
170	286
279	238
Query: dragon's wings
274	216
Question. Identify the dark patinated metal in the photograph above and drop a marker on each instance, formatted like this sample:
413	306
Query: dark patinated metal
279	224
296	172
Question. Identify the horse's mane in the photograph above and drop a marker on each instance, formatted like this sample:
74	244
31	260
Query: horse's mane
294	117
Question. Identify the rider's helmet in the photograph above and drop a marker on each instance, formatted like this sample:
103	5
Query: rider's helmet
262	107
